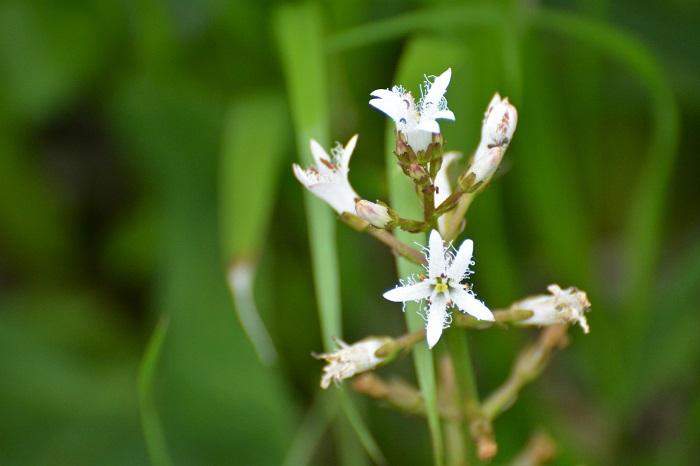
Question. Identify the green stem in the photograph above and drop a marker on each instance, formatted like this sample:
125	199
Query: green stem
429	204
479	425
455	445
455	219
406	342
150	421
450	203
457	343
402	249
529	365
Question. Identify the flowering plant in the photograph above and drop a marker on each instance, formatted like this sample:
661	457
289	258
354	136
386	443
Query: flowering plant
446	298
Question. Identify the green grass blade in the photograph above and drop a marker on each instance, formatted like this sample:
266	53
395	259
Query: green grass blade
363	434
300	37
301	42
152	428
427	20
247	188
255	139
310	431
241	277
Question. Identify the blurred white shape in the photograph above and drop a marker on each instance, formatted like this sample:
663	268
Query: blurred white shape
241	277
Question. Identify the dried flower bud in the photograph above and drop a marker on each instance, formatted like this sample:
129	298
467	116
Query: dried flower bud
561	307
351	359
377	215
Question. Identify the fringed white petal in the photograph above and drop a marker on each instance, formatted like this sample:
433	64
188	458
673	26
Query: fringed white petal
389	103
319	154
436	255
461	262
347	153
413	292
467	302
438	88
437	317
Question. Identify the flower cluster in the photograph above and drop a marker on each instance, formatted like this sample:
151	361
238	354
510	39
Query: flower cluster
443	287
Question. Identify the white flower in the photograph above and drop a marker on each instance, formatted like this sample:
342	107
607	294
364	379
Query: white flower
561	307
442	287
498	127
416	121
328	179
351	359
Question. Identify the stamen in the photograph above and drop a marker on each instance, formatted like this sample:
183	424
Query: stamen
329	164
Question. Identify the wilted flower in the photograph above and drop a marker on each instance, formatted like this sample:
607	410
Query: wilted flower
561	307
442	287
416	122
328	179
351	359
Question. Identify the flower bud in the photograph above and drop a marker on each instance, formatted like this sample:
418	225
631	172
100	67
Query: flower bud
561	307
377	215
418	173
438	145
404	153
498	127
482	170
351	359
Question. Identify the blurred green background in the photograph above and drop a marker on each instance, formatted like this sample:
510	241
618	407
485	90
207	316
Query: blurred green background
146	146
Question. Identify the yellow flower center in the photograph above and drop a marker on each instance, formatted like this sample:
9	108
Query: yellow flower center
441	287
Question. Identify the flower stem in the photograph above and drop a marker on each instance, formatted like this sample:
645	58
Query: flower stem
449	203
456	217
402	249
504	318
409	339
480	427
529	365
429	204
449	396
540	449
